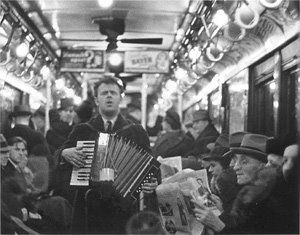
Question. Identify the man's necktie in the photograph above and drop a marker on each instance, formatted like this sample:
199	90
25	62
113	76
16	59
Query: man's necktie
108	127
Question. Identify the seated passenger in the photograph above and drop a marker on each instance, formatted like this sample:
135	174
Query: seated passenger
53	213
244	216
172	141
223	181
204	133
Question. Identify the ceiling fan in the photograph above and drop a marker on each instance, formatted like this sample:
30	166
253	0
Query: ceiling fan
112	28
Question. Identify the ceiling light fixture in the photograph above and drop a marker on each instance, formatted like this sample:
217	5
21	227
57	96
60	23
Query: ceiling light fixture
105	3
22	50
220	18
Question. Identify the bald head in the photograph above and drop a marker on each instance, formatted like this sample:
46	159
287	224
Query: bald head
290	158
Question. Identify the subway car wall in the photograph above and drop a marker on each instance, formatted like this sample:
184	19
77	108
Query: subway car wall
260	96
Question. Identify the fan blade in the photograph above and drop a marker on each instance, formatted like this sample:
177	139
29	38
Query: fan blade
82	40
142	40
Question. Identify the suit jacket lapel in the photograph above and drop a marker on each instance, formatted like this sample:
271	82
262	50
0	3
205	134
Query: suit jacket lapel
120	122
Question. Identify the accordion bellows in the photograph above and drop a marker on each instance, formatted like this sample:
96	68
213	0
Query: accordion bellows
132	165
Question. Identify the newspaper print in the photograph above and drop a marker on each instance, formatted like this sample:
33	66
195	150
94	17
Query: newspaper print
175	206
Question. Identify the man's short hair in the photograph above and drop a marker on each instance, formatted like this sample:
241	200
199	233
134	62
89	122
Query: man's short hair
109	80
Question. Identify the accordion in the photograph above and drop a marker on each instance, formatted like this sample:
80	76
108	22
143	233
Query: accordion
131	165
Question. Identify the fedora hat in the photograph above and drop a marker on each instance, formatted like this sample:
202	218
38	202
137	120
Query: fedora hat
3	144
200	115
222	140
235	140
65	103
20	110
253	145
216	153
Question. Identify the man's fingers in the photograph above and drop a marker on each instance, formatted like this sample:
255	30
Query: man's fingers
79	147
198	204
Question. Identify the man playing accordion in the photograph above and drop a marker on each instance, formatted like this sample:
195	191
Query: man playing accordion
101	211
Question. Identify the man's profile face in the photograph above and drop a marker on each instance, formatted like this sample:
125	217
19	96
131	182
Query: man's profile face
109	99
246	168
215	168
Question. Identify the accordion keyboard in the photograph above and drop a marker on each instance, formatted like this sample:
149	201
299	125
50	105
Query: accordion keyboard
81	176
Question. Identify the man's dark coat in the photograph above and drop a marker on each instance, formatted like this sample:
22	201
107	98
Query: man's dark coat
173	143
105	215
208	135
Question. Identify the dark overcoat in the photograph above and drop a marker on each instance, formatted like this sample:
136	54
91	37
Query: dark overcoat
58	134
173	143
104	215
208	135
32	137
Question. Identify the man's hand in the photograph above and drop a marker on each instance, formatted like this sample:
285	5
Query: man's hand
207	217
217	201
74	156
150	187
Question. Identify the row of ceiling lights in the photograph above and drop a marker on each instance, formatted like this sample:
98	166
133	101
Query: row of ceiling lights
215	27
21	52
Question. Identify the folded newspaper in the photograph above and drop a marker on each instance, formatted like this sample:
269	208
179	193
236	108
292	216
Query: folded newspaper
169	166
175	206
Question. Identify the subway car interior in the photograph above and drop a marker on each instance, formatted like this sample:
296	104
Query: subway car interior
243	68
237	59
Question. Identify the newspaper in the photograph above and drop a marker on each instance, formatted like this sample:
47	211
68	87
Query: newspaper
175	162
175	206
169	166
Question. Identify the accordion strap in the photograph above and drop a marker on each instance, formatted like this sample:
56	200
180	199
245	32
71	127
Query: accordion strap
125	127
118	131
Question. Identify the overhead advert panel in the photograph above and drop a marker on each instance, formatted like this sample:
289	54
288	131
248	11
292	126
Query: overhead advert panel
146	61
75	60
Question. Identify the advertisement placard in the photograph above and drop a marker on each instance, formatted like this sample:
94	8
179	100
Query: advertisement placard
146	61
77	60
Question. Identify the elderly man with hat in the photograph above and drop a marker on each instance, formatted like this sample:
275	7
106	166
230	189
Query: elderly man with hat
172	141
204	133
256	182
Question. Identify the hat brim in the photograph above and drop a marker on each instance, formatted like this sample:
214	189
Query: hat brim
20	113
251	153
212	158
228	154
4	150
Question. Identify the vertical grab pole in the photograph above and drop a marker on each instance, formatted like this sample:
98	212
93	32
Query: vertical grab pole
144	94
48	103
144	100
84	86
179	108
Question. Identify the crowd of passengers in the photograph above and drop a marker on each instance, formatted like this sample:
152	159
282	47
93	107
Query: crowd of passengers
253	177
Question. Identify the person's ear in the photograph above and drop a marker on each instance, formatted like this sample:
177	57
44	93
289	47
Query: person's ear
96	100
